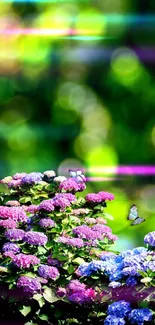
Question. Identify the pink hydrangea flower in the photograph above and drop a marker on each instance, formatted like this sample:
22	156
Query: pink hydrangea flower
70	185
8	224
14	213
33	208
25	261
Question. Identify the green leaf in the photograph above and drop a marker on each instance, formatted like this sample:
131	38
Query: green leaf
25	199
78	260
29	274
43	317
49	244
70	269
25	310
144	274
40	299
50	295
41	250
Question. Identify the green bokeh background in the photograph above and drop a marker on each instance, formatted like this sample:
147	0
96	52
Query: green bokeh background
86	101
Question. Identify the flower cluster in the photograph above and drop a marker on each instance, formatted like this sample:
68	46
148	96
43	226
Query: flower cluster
8	224
63	200
150	239
32	178
70	185
35	238
99	197
15	234
120	311
48	272
47	205
53	237
75	242
29	285
14	213
46	223
11	247
124	267
25	261
77	292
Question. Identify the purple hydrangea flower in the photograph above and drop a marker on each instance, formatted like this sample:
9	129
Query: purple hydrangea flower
35	238
93	198
99	197
47	205
25	261
70	185
82	296
9	254
47	223
19	176
111	237
53	261
139	316
150	239
113	320
61	292
14	183
48	272
75	242
33	208
101	228
15	234
32	178
14	213
63	200
29	285
106	196
11	247
75	285
8	224
86	232
119	308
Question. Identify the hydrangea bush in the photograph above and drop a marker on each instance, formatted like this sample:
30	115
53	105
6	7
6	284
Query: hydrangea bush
56	261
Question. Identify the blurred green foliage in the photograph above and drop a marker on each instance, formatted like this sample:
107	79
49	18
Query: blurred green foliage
85	101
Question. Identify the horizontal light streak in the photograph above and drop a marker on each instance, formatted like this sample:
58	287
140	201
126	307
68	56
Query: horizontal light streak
124	170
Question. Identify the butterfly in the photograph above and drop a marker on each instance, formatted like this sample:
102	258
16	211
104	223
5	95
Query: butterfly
77	175
134	216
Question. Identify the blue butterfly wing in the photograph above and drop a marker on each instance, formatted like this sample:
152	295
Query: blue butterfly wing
73	173
77	175
138	221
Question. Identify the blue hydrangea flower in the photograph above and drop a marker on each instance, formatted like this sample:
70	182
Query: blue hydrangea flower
139	250
150	239
119	309
139	316
131	281
84	269
114	284
112	320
